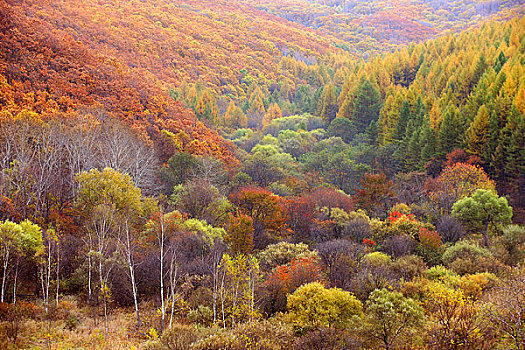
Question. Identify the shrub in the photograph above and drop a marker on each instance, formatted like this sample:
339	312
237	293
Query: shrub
443	275
399	246
376	259
408	267
474	285
430	246
328	339
465	257
314	306
391	318
179	337
283	253
450	228
513	240
201	315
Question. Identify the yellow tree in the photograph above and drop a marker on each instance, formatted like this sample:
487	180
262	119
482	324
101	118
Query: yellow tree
478	133
234	117
274	112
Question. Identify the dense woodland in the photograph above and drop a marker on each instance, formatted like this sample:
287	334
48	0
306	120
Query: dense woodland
258	175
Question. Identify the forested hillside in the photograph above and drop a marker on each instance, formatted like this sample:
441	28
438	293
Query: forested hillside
382	25
248	174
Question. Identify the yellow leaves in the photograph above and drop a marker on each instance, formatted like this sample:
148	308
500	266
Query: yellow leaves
152	334
520	100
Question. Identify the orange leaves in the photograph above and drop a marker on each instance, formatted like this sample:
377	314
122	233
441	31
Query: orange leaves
263	206
239	234
298	272
430	239
457	181
396	216
51	73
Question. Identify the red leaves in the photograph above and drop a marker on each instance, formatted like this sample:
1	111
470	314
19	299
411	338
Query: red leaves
369	242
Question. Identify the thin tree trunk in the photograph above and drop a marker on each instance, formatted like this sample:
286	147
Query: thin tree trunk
173	279
215	291
89	269
4	277
15	281
222	300
132	274
163	310
58	271
102	291
485	235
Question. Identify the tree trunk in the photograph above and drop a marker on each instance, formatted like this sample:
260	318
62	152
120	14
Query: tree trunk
15	281
486	235
4	276
58	271
163	309
131	265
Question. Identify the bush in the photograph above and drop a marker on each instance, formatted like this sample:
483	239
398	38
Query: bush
376	259
283	253
179	337
513	240
328	339
408	267
202	315
450	228
399	246
465	257
314	306
474	285
443	275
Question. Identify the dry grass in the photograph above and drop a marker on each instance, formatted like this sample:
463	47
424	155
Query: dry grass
71	326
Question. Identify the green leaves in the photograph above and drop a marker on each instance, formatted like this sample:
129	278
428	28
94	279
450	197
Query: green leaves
482	209
390	317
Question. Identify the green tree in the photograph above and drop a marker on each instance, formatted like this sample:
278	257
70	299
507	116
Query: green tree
178	169
449	132
482	209
404	117
343	128
17	241
314	306
327	108
367	105
391	318
9	232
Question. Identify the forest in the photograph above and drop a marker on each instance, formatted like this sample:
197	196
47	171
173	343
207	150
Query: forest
249	174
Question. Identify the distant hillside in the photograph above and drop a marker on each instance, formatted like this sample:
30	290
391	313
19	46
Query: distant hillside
381	25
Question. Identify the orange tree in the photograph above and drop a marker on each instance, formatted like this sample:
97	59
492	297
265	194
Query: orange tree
264	207
457	181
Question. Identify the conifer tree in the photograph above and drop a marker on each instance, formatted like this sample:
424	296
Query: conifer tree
327	108
478	133
367	105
